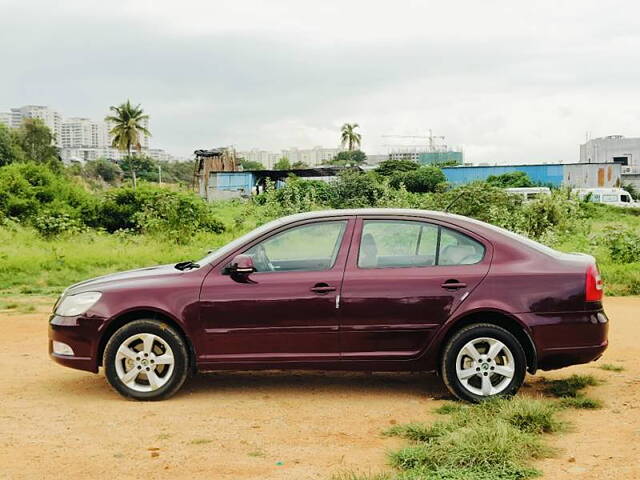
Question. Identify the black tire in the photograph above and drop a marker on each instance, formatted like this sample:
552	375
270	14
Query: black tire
160	329
479	331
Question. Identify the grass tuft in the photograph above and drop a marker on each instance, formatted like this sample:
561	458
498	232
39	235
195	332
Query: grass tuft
610	367
496	439
581	402
449	408
361	476
570	387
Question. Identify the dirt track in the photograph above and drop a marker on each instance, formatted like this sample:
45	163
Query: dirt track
60	423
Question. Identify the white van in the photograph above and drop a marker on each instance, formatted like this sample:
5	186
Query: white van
609	196
529	193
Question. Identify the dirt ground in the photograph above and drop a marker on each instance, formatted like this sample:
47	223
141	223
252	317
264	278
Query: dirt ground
60	423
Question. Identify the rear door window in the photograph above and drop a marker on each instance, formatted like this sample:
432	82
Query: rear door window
400	243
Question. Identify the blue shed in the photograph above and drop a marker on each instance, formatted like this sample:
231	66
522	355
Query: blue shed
543	174
235	181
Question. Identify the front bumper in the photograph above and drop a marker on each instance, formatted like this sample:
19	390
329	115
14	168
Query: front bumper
81	334
568	338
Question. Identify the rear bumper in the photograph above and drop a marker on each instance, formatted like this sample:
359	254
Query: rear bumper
568	338
80	334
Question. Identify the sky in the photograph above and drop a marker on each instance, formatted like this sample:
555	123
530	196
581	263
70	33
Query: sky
509	81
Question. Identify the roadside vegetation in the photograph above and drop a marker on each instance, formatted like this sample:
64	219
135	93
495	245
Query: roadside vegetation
498	439
59	225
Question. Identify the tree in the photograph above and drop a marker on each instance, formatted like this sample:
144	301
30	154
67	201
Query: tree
102	168
388	167
282	164
349	158
10	151
424	179
251	165
510	180
300	165
349	137
142	166
127	121
37	142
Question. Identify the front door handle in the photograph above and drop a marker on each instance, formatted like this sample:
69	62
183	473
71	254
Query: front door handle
453	285
322	288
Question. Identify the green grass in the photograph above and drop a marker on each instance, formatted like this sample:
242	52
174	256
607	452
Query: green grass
581	402
610	367
30	264
570	387
497	439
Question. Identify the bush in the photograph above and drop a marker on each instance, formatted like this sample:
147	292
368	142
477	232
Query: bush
390	167
150	209
50	224
424	179
355	189
28	190
510	180
622	242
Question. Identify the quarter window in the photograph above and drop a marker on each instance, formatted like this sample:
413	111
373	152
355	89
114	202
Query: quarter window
398	243
309	247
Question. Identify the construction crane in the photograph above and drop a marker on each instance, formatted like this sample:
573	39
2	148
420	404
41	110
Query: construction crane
432	146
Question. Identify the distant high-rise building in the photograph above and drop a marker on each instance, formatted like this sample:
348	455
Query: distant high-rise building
312	156
50	117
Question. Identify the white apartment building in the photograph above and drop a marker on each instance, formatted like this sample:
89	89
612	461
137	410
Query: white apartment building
313	157
84	132
50	117
267	159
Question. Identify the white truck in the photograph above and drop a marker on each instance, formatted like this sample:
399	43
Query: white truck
609	196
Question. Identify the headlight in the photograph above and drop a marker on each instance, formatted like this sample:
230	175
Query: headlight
73	305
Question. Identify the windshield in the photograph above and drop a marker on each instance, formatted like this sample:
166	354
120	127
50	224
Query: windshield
238	242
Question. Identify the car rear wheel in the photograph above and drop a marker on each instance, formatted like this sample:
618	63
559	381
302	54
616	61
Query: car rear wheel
146	360
482	361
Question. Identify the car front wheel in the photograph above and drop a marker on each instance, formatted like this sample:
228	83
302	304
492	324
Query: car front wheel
146	360
482	361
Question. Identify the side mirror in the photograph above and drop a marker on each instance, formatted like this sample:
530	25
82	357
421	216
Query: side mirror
241	267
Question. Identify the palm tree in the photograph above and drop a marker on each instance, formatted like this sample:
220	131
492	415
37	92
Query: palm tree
349	136
127	121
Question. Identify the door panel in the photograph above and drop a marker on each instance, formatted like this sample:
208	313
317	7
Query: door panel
281	315
392	312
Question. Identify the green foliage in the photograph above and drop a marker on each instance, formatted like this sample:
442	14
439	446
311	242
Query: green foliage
140	166
354	189
299	165
50	224
10	151
350	158
250	165
633	191
103	169
581	402
282	164
496	439
422	180
37	142
510	180
570	387
390	167
610	367
28	190
152	209
622	242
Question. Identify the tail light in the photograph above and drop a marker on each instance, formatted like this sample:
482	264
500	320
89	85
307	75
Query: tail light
594	284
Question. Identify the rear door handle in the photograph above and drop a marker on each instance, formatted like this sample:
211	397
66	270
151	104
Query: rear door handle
322	288
453	285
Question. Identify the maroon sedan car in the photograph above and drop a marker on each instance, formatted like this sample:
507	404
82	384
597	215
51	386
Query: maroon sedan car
370	289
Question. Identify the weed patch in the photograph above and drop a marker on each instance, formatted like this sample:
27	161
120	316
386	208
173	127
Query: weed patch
581	402
610	367
570	387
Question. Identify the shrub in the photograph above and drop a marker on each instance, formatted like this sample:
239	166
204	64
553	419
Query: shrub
510	180
390	167
424	179
50	224
157	210
622	242
355	189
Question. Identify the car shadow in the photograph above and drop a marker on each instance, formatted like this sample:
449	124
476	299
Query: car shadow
334	382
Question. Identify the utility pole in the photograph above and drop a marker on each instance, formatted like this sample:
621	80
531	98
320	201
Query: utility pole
159	174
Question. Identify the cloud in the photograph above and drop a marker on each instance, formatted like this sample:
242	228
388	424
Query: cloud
508	81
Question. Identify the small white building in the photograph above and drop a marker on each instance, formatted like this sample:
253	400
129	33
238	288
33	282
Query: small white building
615	149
